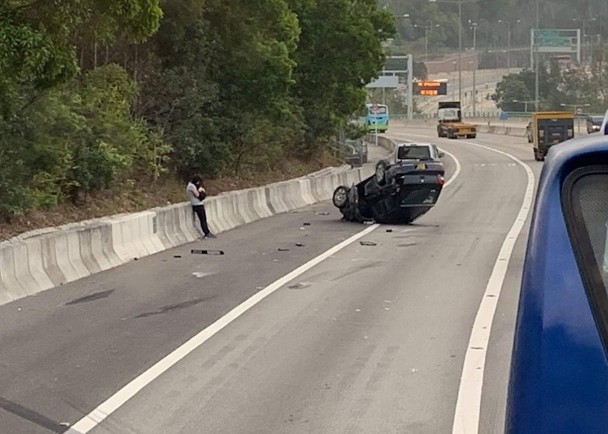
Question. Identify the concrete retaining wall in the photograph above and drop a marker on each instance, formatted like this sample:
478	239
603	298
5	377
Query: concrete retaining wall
46	258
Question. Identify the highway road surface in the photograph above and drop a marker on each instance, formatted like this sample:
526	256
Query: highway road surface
298	327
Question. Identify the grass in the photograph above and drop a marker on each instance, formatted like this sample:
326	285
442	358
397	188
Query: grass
139	196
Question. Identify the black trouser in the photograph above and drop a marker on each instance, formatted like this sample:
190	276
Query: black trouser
202	216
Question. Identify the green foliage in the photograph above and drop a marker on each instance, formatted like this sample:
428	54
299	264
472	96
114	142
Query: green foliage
331	72
98	94
572	85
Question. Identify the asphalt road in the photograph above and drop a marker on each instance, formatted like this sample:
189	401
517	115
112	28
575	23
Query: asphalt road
367	339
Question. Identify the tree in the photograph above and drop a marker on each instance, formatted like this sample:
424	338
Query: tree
330	79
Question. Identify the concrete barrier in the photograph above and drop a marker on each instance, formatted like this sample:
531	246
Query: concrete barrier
45	258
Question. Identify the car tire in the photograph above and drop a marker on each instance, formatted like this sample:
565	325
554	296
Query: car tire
340	196
380	173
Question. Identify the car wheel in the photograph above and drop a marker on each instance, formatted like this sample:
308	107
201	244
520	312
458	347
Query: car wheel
340	196
381	172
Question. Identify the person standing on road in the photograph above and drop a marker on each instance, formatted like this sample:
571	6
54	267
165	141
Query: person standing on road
196	195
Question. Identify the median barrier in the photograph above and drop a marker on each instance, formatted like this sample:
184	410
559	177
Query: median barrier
42	259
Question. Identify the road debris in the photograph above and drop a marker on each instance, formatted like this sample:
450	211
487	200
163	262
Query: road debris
207	252
368	243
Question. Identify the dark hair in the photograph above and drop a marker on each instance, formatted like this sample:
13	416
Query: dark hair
197	179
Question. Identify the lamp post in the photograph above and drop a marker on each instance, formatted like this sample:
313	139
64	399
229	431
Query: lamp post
454	87
508	23
426	27
474	28
460	2
584	21
474	63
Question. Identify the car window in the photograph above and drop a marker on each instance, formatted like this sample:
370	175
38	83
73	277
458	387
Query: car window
413	152
586	210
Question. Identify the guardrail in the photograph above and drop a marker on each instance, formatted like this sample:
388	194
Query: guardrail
39	260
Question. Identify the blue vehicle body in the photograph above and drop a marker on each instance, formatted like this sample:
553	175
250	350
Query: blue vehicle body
559	371
376	117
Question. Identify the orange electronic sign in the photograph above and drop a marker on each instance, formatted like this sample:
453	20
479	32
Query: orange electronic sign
430	87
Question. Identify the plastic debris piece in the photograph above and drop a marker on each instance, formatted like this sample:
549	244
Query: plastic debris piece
368	243
207	252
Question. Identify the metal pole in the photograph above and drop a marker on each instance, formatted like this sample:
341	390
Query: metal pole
410	87
583	46
426	43
474	85
475	37
508	47
459	50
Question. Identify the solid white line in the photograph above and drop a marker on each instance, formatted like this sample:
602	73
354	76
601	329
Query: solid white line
458	167
105	409
468	404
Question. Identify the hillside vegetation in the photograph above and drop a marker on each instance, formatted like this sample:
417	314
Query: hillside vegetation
120	101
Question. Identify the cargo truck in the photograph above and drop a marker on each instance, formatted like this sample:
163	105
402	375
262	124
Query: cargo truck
548	129
450	123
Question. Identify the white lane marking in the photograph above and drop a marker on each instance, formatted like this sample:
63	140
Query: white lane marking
458	167
105	409
468	404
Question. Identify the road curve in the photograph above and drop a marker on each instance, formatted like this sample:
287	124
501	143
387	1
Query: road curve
371	339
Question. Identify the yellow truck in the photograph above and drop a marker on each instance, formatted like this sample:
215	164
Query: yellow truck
547	129
450	124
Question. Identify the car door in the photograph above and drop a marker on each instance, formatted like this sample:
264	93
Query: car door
559	369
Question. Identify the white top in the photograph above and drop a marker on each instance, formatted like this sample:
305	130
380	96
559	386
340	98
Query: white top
191	192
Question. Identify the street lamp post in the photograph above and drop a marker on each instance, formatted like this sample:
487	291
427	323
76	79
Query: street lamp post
474	62
426	27
474	27
454	87
508	23
584	21
459	39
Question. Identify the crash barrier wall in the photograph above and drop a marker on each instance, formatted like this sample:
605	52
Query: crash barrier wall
43	259
507	131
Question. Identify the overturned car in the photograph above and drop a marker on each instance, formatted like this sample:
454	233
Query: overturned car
398	192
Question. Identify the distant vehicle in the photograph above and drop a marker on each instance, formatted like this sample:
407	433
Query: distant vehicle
397	193
376	118
449	115
559	369
548	129
594	123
